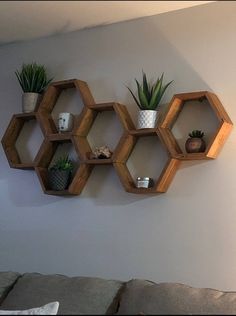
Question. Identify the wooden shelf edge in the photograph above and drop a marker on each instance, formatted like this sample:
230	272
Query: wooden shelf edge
23	166
59	193
144	132
192	156
135	190
98	161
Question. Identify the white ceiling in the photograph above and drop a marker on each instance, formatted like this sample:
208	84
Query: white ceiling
23	20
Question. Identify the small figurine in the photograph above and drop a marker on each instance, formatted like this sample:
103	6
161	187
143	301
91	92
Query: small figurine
65	122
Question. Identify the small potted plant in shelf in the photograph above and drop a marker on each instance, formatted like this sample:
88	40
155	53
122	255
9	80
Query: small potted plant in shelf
59	174
149	97
195	143
33	80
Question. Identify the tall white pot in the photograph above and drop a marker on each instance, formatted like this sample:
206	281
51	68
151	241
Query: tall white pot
147	119
30	101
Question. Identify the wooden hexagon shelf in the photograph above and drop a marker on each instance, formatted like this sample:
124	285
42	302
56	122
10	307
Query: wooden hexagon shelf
217	141
87	119
83	124
10	137
44	158
125	147
51	96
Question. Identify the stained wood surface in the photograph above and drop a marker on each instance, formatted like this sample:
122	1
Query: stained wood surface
82	125
218	139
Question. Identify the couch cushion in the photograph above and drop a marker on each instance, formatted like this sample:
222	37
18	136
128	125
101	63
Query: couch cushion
144	297
7	280
76	295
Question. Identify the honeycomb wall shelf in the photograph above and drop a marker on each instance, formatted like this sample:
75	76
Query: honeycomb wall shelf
51	96
44	159
125	148
215	144
86	121
126	144
11	136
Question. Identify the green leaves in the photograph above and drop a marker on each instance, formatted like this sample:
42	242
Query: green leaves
149	96
63	163
33	78
196	134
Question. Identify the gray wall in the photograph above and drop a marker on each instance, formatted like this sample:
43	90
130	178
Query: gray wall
186	235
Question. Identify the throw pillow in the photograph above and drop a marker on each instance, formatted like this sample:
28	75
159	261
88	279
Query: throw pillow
48	309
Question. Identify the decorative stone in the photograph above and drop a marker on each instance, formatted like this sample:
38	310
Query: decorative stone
102	152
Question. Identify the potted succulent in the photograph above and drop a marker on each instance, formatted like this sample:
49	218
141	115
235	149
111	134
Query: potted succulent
195	143
33	80
149	97
59	174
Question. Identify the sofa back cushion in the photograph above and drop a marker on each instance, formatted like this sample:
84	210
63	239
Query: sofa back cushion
7	280
146	298
76	295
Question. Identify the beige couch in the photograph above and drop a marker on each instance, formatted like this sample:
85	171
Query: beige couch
96	296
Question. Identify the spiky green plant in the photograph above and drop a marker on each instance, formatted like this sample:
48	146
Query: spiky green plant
150	95
196	134
33	78
62	163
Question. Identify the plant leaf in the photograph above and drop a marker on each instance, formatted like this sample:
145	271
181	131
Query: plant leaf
135	99
142	97
32	78
146	88
156	91
163	91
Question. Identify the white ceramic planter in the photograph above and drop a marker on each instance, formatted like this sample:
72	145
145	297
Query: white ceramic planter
30	100
147	119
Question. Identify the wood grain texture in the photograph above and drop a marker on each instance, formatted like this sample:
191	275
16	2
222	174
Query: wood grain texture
85	92
82	147
124	176
10	137
143	132
42	174
46	153
124	116
174	108
214	145
170	142
167	175
126	144
124	148
218	108
50	98
98	161
80	179
218	140
100	107
47	123
85	122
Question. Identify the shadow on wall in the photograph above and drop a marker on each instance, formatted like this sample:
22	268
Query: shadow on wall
155	54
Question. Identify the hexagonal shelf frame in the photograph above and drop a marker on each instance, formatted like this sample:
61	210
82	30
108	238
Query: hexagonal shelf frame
50	98
44	158
10	137
87	119
217	141
83	124
125	147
